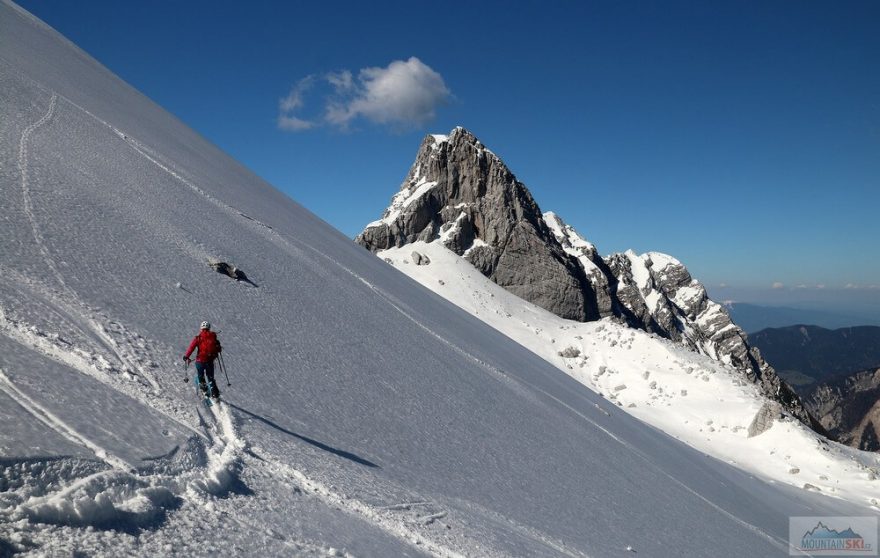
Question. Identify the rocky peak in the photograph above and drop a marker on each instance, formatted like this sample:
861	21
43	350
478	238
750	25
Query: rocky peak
461	194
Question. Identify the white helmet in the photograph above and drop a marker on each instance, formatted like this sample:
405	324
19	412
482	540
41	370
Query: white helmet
206	325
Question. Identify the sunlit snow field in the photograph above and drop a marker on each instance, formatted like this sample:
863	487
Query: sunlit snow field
367	416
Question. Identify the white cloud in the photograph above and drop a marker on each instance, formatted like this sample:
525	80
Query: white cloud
341	81
404	94
293	102
778	285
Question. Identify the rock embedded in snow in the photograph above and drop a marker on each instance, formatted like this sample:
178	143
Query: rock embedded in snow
230	271
420	259
764	418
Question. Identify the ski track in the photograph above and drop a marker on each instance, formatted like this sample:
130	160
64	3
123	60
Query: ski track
45	416
92	322
108	497
377	516
26	191
54	347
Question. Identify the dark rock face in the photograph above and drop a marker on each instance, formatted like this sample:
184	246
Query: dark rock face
849	408
461	194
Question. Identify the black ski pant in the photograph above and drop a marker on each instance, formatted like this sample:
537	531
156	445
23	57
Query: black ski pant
205	376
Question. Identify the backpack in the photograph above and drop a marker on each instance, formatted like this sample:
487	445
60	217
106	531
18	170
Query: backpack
209	345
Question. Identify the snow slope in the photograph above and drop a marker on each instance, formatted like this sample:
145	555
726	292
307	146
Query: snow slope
688	395
367	416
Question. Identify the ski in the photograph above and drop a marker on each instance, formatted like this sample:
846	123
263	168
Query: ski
206	395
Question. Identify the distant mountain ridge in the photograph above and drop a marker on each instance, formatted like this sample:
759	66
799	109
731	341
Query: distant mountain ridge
754	317
819	353
461	194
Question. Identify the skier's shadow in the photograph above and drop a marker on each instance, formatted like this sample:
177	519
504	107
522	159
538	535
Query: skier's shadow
341	453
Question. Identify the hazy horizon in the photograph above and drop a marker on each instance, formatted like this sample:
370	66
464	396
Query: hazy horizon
861	306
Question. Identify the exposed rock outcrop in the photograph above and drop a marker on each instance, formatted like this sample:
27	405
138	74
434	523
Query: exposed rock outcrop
849	408
764	418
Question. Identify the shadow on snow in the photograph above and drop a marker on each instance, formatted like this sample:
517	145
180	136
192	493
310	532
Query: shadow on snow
335	451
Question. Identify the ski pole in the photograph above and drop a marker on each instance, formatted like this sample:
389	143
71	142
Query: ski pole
186	371
223	366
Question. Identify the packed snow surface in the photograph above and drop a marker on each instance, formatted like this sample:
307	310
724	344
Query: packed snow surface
366	416
690	396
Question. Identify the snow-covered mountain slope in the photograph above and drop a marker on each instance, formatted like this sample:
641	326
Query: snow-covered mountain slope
367	416
461	194
688	395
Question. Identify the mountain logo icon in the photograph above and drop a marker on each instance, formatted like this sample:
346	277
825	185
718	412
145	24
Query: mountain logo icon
823	538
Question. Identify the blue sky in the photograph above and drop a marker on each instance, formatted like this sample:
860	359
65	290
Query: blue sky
741	137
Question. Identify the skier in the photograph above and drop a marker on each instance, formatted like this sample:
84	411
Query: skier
209	349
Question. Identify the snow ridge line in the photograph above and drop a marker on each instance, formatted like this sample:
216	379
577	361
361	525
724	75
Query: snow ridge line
52	421
388	299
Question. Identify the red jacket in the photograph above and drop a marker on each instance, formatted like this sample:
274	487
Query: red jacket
207	343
